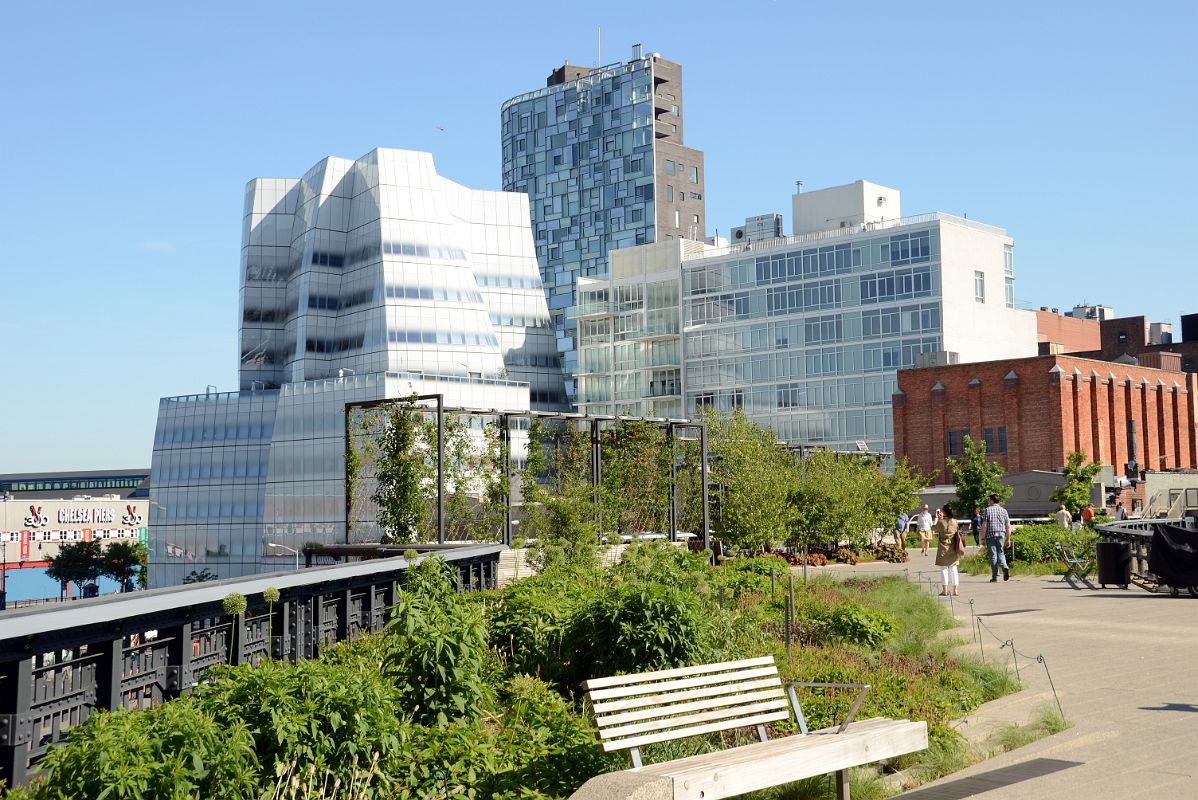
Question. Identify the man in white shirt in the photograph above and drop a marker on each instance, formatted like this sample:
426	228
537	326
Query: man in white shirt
1064	519
923	523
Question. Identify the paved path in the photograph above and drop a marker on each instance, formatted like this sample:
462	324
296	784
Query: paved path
1125	665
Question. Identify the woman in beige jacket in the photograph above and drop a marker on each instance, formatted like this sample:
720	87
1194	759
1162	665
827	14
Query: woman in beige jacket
945	531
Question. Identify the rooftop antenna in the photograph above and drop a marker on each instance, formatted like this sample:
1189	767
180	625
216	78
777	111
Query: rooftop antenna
599	46
798	187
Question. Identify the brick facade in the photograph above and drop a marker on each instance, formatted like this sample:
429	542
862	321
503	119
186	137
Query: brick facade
1057	333
1045	407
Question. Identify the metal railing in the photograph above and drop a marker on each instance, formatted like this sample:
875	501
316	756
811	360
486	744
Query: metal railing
59	665
839	233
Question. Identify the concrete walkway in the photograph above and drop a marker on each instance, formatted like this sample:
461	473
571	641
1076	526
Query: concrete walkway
1125	666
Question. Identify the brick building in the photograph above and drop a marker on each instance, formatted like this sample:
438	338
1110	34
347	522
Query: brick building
1032	412
1058	333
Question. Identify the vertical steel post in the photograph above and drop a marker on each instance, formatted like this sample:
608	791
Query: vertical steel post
596	470
441	469
673	482
505	458
703	485
15	703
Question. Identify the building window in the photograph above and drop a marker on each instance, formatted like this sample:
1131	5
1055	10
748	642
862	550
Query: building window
996	440
956	442
669	193
677	222
694	174
695	219
979	286
669	167
1009	288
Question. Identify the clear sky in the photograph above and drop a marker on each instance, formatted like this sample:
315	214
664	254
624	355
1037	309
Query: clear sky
129	131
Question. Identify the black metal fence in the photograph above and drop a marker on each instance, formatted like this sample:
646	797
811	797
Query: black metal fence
59	664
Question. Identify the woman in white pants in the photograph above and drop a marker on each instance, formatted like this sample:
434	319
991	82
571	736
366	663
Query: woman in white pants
947	555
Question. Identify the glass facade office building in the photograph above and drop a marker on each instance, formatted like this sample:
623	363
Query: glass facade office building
805	334
600	154
363	280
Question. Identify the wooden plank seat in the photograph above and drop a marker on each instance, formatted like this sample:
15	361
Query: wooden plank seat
631	711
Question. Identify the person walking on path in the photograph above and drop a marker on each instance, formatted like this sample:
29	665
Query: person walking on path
950	548
1087	514
996	528
976	526
1120	511
1064	518
923	523
900	529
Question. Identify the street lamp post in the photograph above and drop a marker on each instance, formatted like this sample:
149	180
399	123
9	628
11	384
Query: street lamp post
286	549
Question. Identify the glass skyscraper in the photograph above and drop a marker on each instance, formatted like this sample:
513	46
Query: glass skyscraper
600	154
367	279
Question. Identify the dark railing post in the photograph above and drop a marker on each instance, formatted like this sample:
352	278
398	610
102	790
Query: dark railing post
345	626
178	660
238	629
16	677
596	470
110	668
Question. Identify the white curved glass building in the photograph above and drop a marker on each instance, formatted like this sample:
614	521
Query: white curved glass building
367	279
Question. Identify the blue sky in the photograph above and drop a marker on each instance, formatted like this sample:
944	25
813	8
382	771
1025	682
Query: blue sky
131	129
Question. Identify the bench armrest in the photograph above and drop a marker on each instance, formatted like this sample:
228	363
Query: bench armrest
794	700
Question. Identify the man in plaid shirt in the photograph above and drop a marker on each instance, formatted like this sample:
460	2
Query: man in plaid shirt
996	531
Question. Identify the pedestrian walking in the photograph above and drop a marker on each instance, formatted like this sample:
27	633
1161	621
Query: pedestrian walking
1088	514
900	529
1120	511
976	526
1064	518
996	528
923	523
949	549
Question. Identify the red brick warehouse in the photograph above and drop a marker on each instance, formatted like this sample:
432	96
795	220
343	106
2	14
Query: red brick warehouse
1032	412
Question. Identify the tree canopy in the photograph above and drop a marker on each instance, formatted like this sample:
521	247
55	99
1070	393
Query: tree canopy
77	562
1074	493
753	478
976	479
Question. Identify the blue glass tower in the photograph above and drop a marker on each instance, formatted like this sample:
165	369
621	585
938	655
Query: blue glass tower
600	153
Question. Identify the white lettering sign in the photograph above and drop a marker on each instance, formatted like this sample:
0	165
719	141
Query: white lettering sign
86	515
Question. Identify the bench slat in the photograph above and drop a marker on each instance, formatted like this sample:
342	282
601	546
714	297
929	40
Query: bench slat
698	730
681	708
781	761
686	683
681	726
641	677
611	706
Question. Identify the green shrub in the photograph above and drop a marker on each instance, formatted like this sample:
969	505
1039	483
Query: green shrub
176	751
548	748
314	712
527	620
855	624
663	563
635	627
440	649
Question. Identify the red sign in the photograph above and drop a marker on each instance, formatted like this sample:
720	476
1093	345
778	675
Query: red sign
24	545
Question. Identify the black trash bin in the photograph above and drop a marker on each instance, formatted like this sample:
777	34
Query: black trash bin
1114	563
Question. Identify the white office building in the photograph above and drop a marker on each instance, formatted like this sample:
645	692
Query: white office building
363	280
805	332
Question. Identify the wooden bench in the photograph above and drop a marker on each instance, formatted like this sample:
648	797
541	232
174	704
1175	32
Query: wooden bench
631	711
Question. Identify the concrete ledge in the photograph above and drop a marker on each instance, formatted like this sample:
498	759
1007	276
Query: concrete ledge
627	785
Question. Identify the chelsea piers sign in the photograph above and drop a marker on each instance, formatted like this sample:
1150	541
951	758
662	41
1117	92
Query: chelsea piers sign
85	515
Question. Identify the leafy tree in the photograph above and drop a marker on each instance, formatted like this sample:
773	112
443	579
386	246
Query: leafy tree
976	479
836	499
78	563
497	486
202	576
402	475
1074	493
754	478
124	562
899	491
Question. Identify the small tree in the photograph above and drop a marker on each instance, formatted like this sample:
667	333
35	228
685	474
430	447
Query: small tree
1074	493
78	563
835	500
123	562
976	479
754	479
